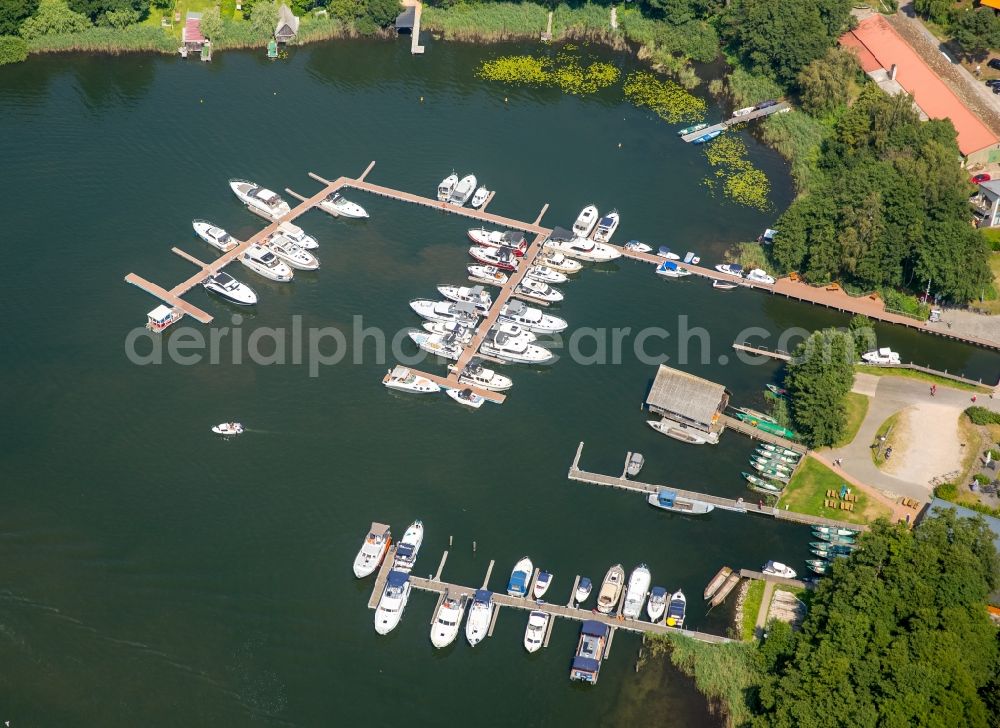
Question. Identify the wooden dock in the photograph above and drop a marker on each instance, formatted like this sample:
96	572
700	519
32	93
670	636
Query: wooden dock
763	351
754	433
771	579
734	120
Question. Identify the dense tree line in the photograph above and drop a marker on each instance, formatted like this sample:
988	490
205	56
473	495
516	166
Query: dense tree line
976	30
818	378
896	635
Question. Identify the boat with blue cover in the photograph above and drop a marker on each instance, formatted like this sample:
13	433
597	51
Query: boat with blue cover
583	590
480	615
392	602
542	584
668	500
589	651
520	578
708	137
670	269
409	547
657	603
677	609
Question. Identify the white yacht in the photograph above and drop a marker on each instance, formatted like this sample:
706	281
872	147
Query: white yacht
228	428
476	374
214	236
534	634
461	333
512	329
496	238
732	269
392	602
885	355
515	349
557	261
466	397
776	568
298	236
500	258
574	246
671	269
447	347
657	604
637	247
531	288
373	550
489	274
480	615
338	205
404	380
409	547
463	294
520	578
447	186
264	262
606	227
611	589
230	289
447	621
446	311
291	253
518	312
463	190
479	198
760	276
546	275
677	609
585	221
635	595
259	199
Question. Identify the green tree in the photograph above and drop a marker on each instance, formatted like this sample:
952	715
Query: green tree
382	12
12	49
211	23
263	18
818	379
119	18
53	16
829	82
13	13
96	9
937	10
977	31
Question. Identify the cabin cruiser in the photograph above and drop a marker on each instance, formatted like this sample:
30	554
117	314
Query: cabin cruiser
776	568
448	347
531	318
611	589
670	269
885	355
590	651
500	239
515	349
489	274
542	584
392	602
731	268
585	221
606	227
447	621
291	253
500	258
228	428
463	294
460	332
657	604
531	288
214	236
668	500
466	397
480	197
677	609
409	547
583	590
635	595
447	186
339	205
665	252
263	261
297	235
259	199
520	578
636	247
759	276
478	375
634	465
480	616
447	311
559	262
463	190
404	380
683	432
580	248
373	550
545	274
534	633
230	289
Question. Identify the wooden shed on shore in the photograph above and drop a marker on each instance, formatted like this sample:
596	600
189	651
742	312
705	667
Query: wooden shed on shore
288	25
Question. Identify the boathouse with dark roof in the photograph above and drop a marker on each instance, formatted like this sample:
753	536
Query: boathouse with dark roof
688	399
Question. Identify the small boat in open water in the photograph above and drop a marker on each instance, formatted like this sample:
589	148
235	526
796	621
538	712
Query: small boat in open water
589	651
668	500
611	589
373	550
228	428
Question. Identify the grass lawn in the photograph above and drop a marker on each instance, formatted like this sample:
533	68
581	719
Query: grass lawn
857	408
751	605
922	376
888	430
994	305
807	491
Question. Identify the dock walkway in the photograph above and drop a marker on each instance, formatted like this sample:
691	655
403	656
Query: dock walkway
733	120
763	351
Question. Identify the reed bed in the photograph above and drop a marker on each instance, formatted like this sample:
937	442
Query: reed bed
115	41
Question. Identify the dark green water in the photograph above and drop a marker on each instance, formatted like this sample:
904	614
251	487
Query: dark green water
156	575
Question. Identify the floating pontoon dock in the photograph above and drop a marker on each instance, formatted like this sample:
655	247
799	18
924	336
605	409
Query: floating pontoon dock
733	120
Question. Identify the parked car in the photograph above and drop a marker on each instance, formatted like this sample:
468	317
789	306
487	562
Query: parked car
993	82
994	63
980	178
996	88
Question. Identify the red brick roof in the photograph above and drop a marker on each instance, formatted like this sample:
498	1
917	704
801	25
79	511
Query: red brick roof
192	31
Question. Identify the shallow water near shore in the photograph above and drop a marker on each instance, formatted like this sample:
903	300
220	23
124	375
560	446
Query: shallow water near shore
158	575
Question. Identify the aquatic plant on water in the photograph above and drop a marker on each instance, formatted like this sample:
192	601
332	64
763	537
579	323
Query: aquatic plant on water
566	71
666	98
741	181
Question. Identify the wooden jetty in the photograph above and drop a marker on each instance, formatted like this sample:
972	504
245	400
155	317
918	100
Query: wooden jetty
763	351
733	120
772	579
755	433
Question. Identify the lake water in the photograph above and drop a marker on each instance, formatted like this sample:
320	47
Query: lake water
156	575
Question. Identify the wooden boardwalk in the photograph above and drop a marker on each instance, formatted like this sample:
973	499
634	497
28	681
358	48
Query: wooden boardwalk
734	120
754	433
771	579
763	351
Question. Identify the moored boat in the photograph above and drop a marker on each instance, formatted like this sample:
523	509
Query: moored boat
778	449
692	129
834	548
542	584
677	609
297	235
782	476
768	427
409	547
534	633
707	137
557	261
682	432
723	285
820	566
635	463
636	247
392	602
585	221
670	269
340	206
214	235
448	347
463	190
589	651
717	581
776	457
730	269
231	289
776	568
489	274
501	258
404	380
520	577
831	538
479	197
568	243
727	586
775	389
445	311
583	590
760	276
446	187
259	199
657	604
475	295
606	227
447	621
831	531
668	500
611	589
291	253
480	614
761	483
665	252
466	397
532	319
373	550
755	414
497	238
514	348
475	373
635	595
882	356
265	263
462	334
770	464
538	291
545	274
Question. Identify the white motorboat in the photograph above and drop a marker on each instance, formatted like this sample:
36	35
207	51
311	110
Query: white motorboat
531	288
392	602
583	249
534	633
583	590
447	347
532	319
744	111
228	428
475	373
340	206
512	329
297	235
262	261
291	253
515	349
759	276
611	589
409	547
373	550
259	199
447	311
883	356
463	294
479	198
500	258
463	190
447	186
499	239
668	500
637	247
545	274
461	333
214	236
230	289
480	615
466	397
585	221
724	285
665	252
657	604
635	595
606	227
520	578
776	568
677	609
731	268
404	380
488	274
557	261
670	269
542	584
447	621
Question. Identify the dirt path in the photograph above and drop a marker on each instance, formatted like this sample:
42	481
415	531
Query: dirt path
927	442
